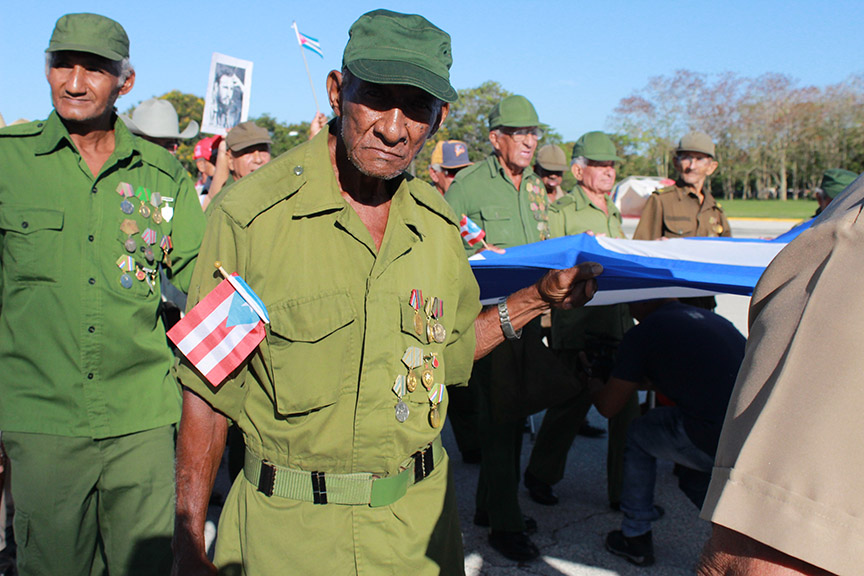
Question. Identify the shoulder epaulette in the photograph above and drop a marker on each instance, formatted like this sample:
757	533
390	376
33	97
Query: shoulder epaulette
26	129
665	190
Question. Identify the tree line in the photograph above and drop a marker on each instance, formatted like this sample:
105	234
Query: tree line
774	138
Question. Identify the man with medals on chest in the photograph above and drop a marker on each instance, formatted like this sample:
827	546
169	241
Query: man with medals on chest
341	404
89	214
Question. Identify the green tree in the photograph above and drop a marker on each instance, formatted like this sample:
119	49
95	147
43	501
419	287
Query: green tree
284	136
189	107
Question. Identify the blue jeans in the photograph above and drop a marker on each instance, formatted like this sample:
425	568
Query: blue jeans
658	434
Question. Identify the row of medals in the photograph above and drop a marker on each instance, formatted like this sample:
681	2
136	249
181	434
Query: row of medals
425	363
158	213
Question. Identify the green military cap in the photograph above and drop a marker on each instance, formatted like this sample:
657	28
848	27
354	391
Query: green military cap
90	33
595	146
387	47
696	142
552	159
836	180
513	111
246	134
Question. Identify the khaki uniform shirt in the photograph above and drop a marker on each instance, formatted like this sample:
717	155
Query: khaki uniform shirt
675	212
82	353
509	216
317	395
790	461
574	214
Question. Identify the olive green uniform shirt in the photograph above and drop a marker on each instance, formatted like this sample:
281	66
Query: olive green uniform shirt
317	395
675	212
81	354
573	214
510	217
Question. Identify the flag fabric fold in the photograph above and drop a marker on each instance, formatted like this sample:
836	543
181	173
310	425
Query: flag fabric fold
222	330
311	44
471	233
633	269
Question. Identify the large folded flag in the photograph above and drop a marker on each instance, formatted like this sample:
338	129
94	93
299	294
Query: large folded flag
220	332
308	42
634	269
471	233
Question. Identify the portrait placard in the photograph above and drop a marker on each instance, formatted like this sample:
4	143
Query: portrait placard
229	89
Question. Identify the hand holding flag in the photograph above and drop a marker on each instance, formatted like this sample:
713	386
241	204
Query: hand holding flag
222	330
473	234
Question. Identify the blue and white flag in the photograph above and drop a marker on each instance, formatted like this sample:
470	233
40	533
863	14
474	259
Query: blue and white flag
635	269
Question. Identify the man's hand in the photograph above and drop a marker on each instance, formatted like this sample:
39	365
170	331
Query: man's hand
570	288
318	122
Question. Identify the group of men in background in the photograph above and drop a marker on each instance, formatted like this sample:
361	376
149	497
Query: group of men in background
374	314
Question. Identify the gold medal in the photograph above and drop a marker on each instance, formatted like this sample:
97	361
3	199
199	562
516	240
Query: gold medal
430	334
144	210
157	217
435	417
718	229
411	381
427	377
418	323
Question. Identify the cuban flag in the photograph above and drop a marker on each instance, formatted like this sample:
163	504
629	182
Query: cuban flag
222	330
308	42
471	233
635	270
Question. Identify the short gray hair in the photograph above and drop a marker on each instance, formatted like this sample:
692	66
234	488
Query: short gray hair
580	160
120	68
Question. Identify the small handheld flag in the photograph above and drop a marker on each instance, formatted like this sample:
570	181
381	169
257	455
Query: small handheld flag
222	330
312	45
471	233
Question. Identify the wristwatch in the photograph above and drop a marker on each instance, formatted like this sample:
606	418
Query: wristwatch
504	317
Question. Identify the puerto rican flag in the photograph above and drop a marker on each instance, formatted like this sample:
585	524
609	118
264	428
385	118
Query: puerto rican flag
308	42
222	330
471	233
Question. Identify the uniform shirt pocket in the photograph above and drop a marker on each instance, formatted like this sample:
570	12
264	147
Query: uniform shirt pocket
313	351
32	243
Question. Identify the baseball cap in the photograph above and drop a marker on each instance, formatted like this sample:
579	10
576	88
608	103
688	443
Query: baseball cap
451	154
388	47
696	142
90	33
836	180
513	111
552	158
246	134
595	146
206	147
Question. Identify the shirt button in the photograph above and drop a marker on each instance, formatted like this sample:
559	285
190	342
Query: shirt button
92	281
94	190
90	376
25	224
90	238
91	329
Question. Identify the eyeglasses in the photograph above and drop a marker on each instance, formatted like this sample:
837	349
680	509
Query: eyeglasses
543	173
520	134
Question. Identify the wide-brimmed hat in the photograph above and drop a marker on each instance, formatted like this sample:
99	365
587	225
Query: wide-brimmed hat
158	119
387	47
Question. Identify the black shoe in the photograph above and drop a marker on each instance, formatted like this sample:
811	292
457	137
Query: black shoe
481	518
514	545
638	550
590	431
540	491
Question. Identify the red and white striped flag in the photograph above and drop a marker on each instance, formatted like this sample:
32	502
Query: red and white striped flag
471	233
222	330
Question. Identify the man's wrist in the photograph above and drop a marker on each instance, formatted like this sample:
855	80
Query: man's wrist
506	325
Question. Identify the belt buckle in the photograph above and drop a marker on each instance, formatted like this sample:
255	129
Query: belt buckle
424	463
266	478
319	488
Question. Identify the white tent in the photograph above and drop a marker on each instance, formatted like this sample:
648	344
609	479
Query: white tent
631	193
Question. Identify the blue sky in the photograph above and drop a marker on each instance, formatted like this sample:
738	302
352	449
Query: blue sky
573	59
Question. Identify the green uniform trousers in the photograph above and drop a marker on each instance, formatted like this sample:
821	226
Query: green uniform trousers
84	505
559	428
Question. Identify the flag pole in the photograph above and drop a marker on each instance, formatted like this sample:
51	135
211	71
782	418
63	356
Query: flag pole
306	63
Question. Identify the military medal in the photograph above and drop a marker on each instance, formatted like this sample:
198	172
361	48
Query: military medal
157	217
126	281
155	201
427	377
130	228
436	395
167	210
127	207
435	331
413	358
399	389
144	210
165	244
124	189
415	301
149	236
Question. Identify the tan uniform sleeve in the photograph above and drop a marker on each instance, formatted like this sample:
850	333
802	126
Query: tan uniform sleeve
650	225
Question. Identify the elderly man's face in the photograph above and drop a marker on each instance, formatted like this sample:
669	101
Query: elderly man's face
597	176
246	161
515	146
383	126
694	167
85	86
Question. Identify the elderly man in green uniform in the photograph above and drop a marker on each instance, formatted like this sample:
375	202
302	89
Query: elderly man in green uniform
89	214
508	200
685	209
834	181
595	331
373	310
